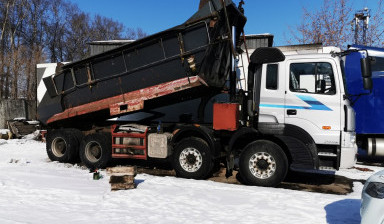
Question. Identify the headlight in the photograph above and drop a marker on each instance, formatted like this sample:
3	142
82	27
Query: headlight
375	190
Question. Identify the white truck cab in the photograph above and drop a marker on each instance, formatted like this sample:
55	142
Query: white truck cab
306	92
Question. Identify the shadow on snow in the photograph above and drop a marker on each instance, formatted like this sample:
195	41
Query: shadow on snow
343	211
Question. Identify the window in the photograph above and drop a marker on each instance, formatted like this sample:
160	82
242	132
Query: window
272	74
315	78
342	63
377	67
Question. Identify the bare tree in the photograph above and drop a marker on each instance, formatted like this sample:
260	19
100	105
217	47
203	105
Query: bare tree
106	29
56	28
12	23
133	34
32	34
77	37
331	25
38	31
375	35
5	8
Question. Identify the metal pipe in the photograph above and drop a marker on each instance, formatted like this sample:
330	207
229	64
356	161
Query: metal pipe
228	27
233	75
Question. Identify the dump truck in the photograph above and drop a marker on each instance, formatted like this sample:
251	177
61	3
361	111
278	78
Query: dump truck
177	92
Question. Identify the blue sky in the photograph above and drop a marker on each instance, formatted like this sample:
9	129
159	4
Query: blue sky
271	16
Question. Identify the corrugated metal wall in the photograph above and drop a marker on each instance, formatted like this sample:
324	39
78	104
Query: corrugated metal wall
258	40
10	109
98	47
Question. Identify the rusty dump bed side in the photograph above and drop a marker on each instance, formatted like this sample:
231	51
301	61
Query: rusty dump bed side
194	55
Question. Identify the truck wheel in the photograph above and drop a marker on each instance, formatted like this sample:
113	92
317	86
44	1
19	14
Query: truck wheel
263	163
95	150
62	146
192	159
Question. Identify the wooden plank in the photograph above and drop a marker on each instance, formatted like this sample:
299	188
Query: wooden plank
122	170
127	179
120	186
6	136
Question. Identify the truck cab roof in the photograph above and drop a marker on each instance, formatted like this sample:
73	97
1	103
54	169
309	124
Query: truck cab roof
307	49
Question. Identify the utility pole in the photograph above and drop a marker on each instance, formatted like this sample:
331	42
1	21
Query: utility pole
361	22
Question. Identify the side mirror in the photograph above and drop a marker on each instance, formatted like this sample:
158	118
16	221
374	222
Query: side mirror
367	83
366	73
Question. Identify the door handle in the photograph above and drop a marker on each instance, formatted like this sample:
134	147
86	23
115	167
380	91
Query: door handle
291	112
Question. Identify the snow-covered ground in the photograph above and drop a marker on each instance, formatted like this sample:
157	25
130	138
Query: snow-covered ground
35	190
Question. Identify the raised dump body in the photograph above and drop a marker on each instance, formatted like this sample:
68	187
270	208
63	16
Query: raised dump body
181	63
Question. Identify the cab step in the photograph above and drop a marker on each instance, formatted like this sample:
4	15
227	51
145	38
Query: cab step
327	154
327	168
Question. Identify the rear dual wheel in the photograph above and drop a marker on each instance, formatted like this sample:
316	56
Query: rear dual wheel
63	145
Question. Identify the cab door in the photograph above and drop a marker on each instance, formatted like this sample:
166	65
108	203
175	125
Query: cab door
272	91
313	99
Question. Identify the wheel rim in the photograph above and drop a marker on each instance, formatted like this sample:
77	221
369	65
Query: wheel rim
190	159
59	147
262	165
93	151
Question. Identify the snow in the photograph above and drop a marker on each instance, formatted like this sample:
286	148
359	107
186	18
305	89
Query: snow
19	118
33	122
35	190
4	131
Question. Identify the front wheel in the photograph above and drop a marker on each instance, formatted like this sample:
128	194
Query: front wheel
192	159
263	163
95	150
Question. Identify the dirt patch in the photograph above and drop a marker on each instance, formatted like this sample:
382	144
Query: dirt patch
327	183
318	182
363	169
156	171
220	177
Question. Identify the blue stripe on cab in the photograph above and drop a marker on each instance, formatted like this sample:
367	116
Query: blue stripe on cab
312	102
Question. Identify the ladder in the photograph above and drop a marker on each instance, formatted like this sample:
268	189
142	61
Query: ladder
129	150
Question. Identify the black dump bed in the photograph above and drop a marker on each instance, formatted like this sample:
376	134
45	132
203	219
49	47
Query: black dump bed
200	47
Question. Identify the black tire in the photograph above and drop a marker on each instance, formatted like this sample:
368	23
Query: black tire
79	137
263	163
77	133
96	151
192	159
62	146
